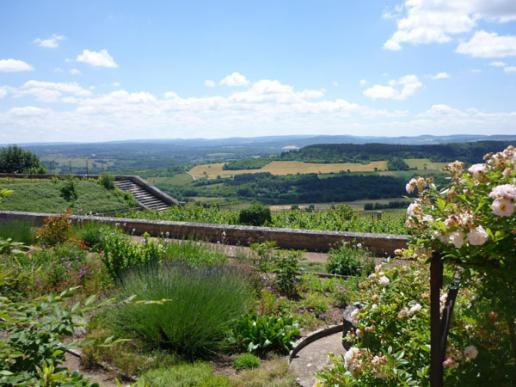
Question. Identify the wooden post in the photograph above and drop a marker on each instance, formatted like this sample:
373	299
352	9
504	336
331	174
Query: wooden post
436	355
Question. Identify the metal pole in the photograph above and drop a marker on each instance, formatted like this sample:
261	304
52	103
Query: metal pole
436	356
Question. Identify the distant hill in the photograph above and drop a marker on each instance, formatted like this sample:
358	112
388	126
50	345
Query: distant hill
471	152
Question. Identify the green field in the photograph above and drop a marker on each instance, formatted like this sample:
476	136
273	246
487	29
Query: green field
44	196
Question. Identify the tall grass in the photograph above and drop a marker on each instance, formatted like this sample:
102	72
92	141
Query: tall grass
18	230
192	309
193	254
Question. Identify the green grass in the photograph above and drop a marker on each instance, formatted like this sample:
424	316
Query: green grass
43	195
183	375
18	230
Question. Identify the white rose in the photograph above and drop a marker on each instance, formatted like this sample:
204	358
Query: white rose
350	358
457	239
383	280
413	209
478	236
411	186
477	169
505	191
502	207
415	308
470	352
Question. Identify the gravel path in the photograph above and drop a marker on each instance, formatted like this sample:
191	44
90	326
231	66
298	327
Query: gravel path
314	357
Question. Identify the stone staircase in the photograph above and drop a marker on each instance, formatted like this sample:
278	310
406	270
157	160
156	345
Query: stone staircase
144	197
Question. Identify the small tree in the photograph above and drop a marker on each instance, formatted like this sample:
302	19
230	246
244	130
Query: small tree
397	164
14	159
256	215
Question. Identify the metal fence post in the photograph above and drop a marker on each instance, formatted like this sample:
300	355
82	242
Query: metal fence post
436	356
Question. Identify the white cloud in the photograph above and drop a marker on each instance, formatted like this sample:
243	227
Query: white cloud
489	45
14	65
234	79
3	93
209	83
398	89
265	107
50	91
509	69
51	42
363	82
27	111
441	75
438	21
75	71
498	64
97	58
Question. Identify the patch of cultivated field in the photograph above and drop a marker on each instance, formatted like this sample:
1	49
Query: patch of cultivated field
355	204
179	179
425	164
213	171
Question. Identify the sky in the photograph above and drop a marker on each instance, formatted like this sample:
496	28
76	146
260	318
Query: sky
102	70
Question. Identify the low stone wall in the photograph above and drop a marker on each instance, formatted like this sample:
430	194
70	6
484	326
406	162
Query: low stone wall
308	240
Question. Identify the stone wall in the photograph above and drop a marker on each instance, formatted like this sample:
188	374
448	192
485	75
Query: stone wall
309	240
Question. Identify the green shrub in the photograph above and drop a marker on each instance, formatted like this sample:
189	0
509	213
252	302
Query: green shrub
287	269
120	254
246	361
18	230
193	311
265	255
260	334
349	260
68	190
31	349
256	215
59	267
107	181
90	233
184	375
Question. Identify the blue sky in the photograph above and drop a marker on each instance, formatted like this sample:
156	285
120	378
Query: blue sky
110	70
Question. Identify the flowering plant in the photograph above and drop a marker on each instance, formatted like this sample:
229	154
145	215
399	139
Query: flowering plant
471	222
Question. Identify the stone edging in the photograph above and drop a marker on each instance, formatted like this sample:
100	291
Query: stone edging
313	336
105	366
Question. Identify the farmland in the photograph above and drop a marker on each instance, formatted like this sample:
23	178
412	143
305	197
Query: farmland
281	168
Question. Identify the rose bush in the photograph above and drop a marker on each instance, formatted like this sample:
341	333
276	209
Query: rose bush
472	224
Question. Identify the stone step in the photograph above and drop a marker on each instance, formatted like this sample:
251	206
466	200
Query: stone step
142	196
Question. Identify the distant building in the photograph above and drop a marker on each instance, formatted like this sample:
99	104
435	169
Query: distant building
290	148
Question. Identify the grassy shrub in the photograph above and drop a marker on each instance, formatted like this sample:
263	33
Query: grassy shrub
256	215
190	253
199	306
107	181
246	361
183	375
18	230
55	229
261	334
349	260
